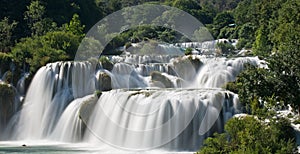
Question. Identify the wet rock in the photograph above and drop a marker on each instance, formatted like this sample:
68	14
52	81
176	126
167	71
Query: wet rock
106	64
86	108
187	67
160	80
8	103
104	82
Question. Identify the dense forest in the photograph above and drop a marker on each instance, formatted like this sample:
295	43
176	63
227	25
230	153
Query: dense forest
34	33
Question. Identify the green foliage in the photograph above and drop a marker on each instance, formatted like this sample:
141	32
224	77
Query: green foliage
278	33
249	135
6	91
6	29
98	93
285	68
36	21
65	41
253	84
5	61
7	102
223	19
75	26
220	27
246	11
231	86
188	51
286	35
225	48
297	121
219	5
186	5
241	44
228	32
262	46
106	63
139	34
103	59
279	82
40	50
247	32
35	12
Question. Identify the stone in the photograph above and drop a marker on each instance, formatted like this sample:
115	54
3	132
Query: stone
160	80
104	82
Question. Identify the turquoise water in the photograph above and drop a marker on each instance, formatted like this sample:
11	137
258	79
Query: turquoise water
39	149
45	147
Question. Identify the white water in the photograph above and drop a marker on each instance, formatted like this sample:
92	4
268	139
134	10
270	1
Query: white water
173	119
169	119
52	89
206	47
69	127
217	72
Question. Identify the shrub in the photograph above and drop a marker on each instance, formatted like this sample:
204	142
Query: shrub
5	61
249	135
106	64
226	48
188	51
231	86
241	44
98	93
40	50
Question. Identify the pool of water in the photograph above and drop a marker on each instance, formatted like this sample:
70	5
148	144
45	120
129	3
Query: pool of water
46	147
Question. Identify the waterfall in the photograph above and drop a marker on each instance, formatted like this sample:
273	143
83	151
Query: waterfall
145	101
22	83
173	119
69	127
218	71
142	59
52	89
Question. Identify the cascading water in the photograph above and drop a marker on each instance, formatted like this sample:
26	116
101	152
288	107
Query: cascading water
143	110
173	119
218	71
69	127
52	89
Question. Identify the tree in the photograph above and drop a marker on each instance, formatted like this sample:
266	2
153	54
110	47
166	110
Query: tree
223	19
262	45
247	11
281	81
5	61
249	135
6	29
35	19
221	22
40	50
225	48
75	26
286	35
247	32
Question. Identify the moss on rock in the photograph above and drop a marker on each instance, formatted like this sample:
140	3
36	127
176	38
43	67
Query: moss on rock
160	80
8	104
104	81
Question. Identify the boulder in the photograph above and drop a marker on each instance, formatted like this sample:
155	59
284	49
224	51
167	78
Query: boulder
106	64
104	82
160	80
187	67
8	103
